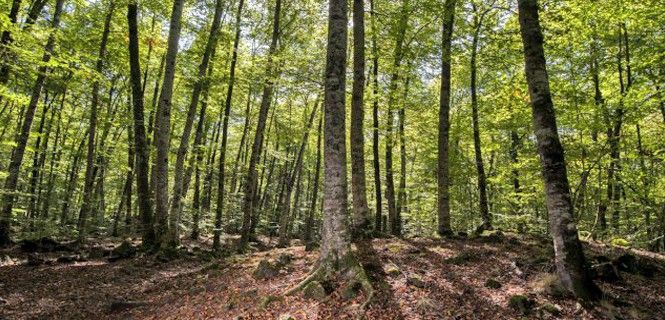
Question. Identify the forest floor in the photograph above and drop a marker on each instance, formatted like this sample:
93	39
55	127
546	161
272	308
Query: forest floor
491	277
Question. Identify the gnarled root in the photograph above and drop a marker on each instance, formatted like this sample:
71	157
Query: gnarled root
351	269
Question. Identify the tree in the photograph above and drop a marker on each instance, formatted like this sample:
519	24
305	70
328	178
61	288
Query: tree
568	255
140	139
443	175
335	255
361	219
163	133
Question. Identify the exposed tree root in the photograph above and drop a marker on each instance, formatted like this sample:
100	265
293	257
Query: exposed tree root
351	270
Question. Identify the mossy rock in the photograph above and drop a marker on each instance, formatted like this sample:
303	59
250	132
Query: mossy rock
552	309
392	270
351	290
492	284
314	290
284	259
550	285
124	251
264	302
521	304
266	270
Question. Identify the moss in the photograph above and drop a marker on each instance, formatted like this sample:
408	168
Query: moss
492	284
314	290
620	242
521	303
267	300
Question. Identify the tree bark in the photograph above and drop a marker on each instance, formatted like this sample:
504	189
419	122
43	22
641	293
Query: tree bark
443	175
163	132
22	140
309	224
480	166
361	218
378	216
569	257
140	139
5	41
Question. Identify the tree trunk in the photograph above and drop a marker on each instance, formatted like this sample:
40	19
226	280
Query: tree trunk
401	119
480	166
257	145
375	125
90	158
361	218
22	140
163	133
140	139
569	257
395	220
443	175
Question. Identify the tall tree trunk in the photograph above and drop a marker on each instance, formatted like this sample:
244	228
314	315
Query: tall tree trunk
179	171
163	132
34	174
401	119
225	130
22	140
257	145
361	218
395	220
90	158
569	257
375	124
243	144
480	166
443	175
140	139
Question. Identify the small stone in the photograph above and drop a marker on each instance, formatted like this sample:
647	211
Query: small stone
521	303
416	281
286	317
392	270
124	251
314	290
284	259
266	270
492	284
267	300
552	309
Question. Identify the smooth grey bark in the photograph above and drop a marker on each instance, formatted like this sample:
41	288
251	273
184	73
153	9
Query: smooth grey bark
361	218
568	255
257	145
395	221
90	157
179	192
443	173
160	171
11	181
145	205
